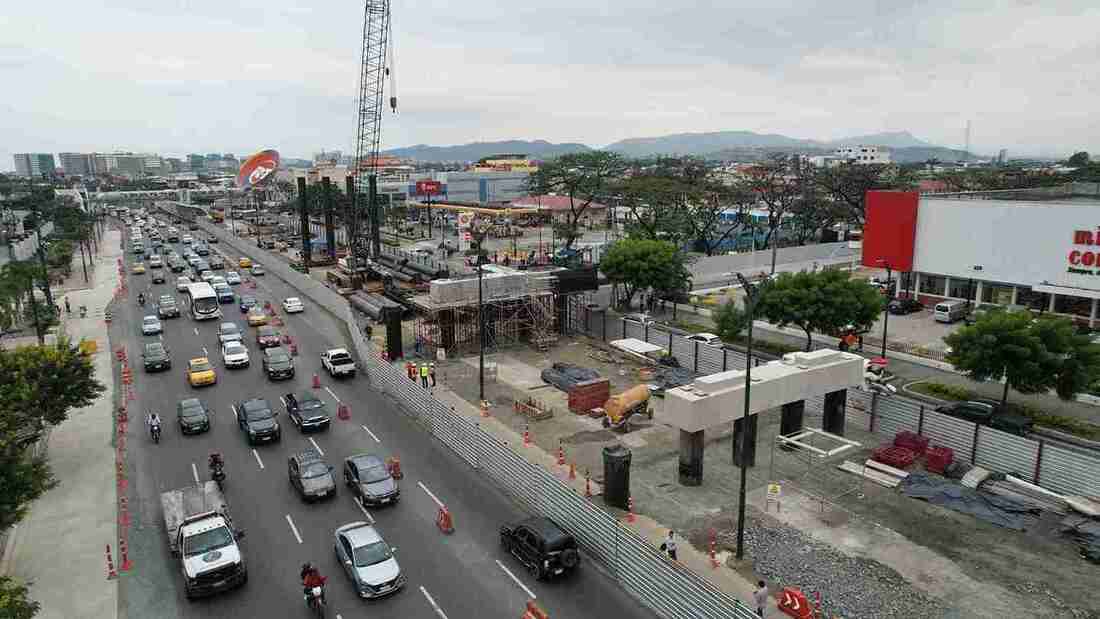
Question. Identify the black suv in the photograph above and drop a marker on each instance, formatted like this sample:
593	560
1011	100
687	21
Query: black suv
277	363
156	357
193	416
310	475
988	413
307	411
901	307
158	276
541	546
167	308
257	421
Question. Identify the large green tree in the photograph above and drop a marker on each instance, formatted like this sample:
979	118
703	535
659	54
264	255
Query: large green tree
822	301
1031	355
582	177
730	320
847	184
14	603
1079	159
644	264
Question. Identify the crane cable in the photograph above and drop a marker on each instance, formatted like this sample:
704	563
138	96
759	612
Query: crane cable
391	71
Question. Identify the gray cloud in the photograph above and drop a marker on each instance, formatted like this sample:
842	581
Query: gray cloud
203	75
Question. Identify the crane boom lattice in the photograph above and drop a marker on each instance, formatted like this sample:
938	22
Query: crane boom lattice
373	73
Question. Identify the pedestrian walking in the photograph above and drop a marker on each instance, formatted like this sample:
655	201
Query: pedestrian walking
68	310
431	373
424	375
760	597
669	545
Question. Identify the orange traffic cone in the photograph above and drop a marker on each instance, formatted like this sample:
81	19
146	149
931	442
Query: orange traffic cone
587	484
527	435
444	521
111	573
713	556
630	509
572	470
561	453
316	381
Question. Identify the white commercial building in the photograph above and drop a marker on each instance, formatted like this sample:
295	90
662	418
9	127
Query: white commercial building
863	154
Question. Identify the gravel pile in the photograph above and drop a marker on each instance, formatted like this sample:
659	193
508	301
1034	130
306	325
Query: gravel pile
852	588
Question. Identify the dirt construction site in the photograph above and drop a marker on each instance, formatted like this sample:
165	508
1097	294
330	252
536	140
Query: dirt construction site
867	549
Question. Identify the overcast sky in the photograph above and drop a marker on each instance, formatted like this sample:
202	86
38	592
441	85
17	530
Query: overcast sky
180	76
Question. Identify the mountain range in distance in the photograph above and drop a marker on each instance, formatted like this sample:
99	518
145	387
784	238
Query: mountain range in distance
904	147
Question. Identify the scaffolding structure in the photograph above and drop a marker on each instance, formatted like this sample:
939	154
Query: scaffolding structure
531	318
807	458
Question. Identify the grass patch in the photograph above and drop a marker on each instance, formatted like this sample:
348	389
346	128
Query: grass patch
1062	423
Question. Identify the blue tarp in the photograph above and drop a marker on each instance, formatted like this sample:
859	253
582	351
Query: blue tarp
995	509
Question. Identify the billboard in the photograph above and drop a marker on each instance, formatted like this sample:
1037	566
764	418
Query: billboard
427	188
258	169
889	234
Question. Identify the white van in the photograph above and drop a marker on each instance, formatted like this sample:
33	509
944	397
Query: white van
950	311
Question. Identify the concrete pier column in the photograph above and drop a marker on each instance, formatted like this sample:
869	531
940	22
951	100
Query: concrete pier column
748	427
832	419
791	421
691	458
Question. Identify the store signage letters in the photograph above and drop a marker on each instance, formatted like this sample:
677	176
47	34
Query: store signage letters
1084	258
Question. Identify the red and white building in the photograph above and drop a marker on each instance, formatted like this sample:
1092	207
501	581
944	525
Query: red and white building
1038	254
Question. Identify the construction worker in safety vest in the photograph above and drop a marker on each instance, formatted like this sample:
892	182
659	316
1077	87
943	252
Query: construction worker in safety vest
424	375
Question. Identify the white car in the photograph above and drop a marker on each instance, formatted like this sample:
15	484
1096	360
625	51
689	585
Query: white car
206	276
218	279
186	240
293	305
232	278
182	282
257	270
234	354
708	339
150	325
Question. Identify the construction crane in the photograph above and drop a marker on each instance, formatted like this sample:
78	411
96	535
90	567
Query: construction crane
376	67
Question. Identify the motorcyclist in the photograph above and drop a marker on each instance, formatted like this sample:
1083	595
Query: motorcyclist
153	421
141	299
215	462
312	578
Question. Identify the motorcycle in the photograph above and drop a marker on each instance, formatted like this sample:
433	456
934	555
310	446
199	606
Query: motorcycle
217	473
315	601
154	430
141	300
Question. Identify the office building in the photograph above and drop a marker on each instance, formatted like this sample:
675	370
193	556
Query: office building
34	164
484	187
197	163
863	154
77	164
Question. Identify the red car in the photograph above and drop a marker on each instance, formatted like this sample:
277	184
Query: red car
267	337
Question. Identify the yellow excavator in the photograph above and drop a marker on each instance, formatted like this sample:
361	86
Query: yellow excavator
620	407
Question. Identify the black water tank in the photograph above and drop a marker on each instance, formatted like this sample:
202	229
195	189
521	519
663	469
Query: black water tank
616	476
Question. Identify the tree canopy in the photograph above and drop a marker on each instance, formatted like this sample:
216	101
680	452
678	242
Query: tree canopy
14	603
822	301
1079	159
730	320
582	177
1033	355
640	264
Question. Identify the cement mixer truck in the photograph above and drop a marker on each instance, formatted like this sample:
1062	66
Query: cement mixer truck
621	407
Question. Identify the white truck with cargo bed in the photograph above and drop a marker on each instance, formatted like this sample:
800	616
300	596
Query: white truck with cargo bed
201	535
338	362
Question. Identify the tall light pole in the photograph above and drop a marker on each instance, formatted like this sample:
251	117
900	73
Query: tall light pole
478	231
739	445
889	296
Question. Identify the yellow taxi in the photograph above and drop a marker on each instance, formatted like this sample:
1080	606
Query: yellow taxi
244	263
200	372
138	268
256	317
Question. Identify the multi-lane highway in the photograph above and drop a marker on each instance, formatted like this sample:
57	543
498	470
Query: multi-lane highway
460	575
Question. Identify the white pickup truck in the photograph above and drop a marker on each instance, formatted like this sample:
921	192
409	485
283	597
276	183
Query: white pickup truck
338	362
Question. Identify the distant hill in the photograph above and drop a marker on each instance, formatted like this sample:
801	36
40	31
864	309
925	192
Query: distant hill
537	149
920	154
747	141
891	139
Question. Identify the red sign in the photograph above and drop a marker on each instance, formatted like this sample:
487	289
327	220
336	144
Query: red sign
258	169
1084	258
427	188
890	231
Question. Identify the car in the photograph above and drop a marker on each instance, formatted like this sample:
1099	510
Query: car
225	293
277	363
158	276
155	262
186	240
247	302
229	332
155	357
310	475
256	419
182	283
245	262
150	325
193	260
235	354
166	307
644	319
138	268
370	480
257	270
541	546
338	362
307	411
267	336
901	307
206	275
708	339
192	226
211	239
256	317
200	372
201	249
232	278
193	416
176	264
989	413
218	279
368	561
293	305
217	263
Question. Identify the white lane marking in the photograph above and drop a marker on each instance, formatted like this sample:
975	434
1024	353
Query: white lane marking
195	472
293	528
334	396
530	594
204	352
362	508
233	410
316	446
371	434
435	606
283	400
196	330
429	492
258	460
160	336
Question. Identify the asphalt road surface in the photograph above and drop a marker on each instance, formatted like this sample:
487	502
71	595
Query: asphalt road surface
457	576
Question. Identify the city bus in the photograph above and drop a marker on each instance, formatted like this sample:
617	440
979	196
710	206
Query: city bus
203	301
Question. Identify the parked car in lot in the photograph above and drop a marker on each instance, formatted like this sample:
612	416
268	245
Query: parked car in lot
368	561
370	480
902	307
541	546
708	339
988	413
643	319
307	411
193	416
155	357
310	475
257	421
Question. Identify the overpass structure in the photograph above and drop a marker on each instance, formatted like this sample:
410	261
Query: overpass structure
180	195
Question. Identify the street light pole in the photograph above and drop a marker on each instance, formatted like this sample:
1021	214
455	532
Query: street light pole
739	445
480	333
886	312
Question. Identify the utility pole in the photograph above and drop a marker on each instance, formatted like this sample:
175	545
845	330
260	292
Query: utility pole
739	445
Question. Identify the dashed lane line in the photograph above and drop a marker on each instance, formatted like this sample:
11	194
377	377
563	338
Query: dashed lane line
376	440
435	607
293	528
530	594
258	460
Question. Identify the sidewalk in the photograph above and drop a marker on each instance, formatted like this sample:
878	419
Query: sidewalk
59	547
